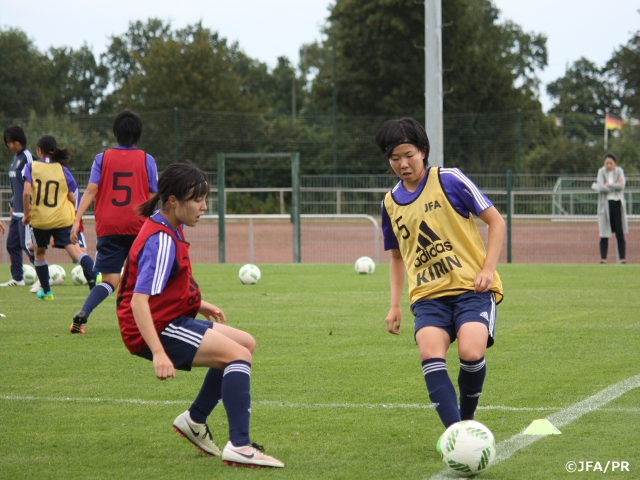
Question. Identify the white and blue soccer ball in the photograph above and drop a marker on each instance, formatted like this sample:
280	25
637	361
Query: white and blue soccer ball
77	276
57	274
365	266
468	448
249	274
29	274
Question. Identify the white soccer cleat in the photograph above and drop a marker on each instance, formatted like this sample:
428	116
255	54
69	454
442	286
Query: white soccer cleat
13	283
251	456
35	287
196	433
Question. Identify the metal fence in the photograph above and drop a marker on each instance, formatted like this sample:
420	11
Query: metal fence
553	219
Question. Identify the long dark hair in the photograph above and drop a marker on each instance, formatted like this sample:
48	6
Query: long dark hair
182	180
49	147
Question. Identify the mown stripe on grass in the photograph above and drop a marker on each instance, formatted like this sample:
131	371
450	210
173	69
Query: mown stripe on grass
564	417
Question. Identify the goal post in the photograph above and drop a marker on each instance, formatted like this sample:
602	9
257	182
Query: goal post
295	198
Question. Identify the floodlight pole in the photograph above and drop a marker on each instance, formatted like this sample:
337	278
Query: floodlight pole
295	204
335	112
433	79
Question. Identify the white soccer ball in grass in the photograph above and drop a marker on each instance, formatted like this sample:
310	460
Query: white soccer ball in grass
57	274
468	448
365	265
249	274
29	274
77	276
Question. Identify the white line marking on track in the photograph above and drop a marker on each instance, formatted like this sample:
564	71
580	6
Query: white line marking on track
564	417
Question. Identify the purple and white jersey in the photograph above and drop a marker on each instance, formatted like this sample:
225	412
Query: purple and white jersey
152	169
16	177
156	261
72	186
465	197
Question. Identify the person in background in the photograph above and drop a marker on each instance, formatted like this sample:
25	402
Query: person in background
49	206
121	178
18	237
612	211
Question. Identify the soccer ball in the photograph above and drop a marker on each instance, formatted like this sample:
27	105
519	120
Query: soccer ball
77	276
468	448
29	274
56	274
249	274
365	265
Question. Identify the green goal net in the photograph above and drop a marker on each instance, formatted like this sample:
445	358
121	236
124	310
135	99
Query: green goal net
295	197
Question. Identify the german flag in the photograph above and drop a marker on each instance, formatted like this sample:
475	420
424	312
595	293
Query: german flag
612	123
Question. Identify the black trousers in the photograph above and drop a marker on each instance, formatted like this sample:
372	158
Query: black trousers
615	217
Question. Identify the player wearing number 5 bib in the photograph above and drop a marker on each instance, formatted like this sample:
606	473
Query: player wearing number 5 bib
428	225
49	199
121	178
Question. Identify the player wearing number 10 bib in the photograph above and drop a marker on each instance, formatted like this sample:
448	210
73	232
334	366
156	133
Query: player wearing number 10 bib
48	198
121	178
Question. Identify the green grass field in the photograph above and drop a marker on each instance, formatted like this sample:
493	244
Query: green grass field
334	395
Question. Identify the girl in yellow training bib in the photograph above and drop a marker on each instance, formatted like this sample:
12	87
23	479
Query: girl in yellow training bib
49	196
428	225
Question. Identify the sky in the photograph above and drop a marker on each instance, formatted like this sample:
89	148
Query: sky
267	29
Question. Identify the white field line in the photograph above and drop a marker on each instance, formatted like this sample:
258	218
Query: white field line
271	403
564	417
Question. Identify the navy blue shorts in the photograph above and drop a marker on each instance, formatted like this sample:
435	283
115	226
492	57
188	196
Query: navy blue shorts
82	241
450	313
61	237
181	339
111	253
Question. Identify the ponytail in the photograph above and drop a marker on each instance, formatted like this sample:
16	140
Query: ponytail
61	156
181	180
147	208
49	147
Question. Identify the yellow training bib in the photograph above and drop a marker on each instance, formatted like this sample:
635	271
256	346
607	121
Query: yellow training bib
51	207
442	250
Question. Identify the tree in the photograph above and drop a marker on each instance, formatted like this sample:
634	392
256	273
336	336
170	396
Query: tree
380	66
124	51
582	96
22	85
491	66
625	65
78	81
69	133
271	89
153	66
374	41
156	68
62	81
